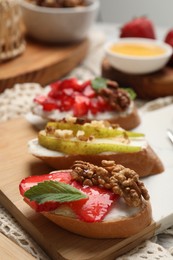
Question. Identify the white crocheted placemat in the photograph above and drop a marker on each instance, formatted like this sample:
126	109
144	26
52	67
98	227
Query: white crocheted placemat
17	101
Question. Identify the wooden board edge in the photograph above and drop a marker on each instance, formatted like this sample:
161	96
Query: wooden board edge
128	244
47	74
27	226
122	247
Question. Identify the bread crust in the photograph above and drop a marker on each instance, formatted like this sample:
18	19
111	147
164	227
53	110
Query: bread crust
145	162
127	122
116	228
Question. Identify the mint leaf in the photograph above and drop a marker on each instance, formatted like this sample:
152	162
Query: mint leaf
131	93
53	191
99	83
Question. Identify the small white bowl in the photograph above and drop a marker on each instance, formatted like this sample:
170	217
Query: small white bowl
138	64
59	25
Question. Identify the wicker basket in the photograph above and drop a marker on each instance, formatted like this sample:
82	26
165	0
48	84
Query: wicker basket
12	42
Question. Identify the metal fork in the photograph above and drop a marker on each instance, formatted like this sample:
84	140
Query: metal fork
170	135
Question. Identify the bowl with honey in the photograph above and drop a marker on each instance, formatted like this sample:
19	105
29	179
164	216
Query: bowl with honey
138	55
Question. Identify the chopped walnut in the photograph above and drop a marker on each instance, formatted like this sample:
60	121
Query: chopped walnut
69	119
63	133
115	177
59	3
118	98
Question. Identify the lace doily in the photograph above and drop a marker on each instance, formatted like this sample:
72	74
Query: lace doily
147	250
16	102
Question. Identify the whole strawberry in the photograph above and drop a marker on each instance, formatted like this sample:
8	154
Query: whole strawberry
169	40
138	27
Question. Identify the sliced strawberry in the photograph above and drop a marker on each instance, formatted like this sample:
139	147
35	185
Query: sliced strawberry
86	83
94	106
89	92
102	104
93	209
169	40
49	105
66	103
40	99
96	207
70	83
28	182
80	107
47	206
55	87
138	27
70	95
67	92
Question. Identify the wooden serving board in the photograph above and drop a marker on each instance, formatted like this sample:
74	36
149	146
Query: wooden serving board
17	163
42	63
146	86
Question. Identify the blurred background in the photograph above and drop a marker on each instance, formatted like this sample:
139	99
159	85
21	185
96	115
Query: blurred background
120	11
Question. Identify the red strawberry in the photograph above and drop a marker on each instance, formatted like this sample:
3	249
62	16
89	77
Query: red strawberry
80	107
28	182
97	206
54	92
70	95
138	27
70	83
49	105
169	40
89	92
40	99
94	208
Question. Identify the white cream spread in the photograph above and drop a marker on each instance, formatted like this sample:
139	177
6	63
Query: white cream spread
58	115
119	210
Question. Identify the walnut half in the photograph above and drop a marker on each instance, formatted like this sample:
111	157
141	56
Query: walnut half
115	177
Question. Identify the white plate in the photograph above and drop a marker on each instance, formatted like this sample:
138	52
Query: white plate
154	125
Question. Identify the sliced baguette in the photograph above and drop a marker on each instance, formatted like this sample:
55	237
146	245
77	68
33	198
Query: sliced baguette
120	227
127	119
145	162
118	203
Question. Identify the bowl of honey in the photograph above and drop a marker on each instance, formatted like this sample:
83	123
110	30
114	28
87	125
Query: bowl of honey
138	55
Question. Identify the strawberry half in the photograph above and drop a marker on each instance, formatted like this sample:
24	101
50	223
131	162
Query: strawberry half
169	39
97	206
92	209
30	181
138	27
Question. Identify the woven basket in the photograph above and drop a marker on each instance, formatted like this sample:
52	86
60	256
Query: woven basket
12	41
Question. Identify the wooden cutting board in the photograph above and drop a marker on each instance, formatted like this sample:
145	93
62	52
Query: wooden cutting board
146	86
17	164
42	63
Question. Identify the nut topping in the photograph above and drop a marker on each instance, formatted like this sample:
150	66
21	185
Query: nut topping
118	98
115	177
59	3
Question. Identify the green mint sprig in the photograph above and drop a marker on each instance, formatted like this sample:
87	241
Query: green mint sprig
54	191
131	93
99	83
